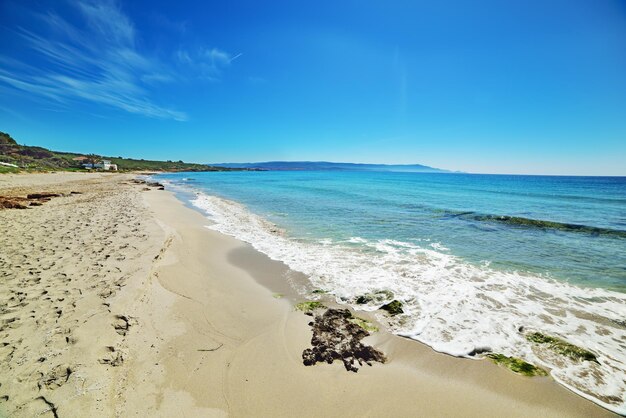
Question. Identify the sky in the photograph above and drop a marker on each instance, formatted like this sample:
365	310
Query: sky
535	87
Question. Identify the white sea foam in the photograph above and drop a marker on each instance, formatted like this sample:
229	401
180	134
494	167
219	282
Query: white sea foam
453	306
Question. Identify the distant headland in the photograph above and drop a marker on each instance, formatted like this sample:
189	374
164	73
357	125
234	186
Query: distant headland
330	166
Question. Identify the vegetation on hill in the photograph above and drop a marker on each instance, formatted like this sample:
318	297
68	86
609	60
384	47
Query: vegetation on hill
30	158
41	159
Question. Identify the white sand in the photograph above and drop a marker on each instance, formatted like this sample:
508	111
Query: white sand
119	302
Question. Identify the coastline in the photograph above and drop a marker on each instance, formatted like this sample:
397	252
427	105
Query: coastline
201	332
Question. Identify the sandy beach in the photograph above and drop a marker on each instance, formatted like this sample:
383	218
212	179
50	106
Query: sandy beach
116	300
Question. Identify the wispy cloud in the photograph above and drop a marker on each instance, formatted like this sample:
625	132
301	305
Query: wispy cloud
98	62
206	63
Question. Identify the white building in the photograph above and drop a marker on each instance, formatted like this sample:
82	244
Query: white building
103	165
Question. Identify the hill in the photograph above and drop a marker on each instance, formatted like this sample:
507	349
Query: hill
33	158
331	166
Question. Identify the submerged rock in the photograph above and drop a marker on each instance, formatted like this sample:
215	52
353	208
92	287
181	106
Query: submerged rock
562	347
393	308
374	297
337	337
517	365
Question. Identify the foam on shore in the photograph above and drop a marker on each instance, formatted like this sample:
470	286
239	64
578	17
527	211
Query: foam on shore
453	306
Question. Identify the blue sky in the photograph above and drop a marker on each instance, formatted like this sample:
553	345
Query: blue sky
479	86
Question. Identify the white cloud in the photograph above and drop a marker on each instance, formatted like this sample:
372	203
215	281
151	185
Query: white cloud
99	62
106	18
206	63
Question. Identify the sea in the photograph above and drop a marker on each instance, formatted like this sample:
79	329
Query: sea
479	262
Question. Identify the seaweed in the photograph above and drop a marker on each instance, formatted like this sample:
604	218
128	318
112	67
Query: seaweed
393	308
337	337
364	323
548	225
517	365
309	306
562	347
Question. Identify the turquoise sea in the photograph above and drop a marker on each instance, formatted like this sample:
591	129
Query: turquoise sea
478	261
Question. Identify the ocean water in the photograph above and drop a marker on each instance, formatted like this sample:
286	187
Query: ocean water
478	261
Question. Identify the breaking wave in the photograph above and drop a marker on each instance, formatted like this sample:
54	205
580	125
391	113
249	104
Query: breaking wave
454	306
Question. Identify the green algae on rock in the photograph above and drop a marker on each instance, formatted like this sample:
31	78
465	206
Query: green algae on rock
517	365
393	308
309	306
562	347
547	225
376	297
364	323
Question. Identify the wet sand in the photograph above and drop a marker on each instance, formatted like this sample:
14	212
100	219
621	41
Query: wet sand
118	301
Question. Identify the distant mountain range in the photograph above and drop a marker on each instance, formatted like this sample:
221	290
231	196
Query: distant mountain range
330	166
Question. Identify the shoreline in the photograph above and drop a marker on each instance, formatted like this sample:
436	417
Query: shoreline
204	335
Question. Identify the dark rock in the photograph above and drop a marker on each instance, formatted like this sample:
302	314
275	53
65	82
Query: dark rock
393	308
363	299
42	195
12	203
377	297
335	337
